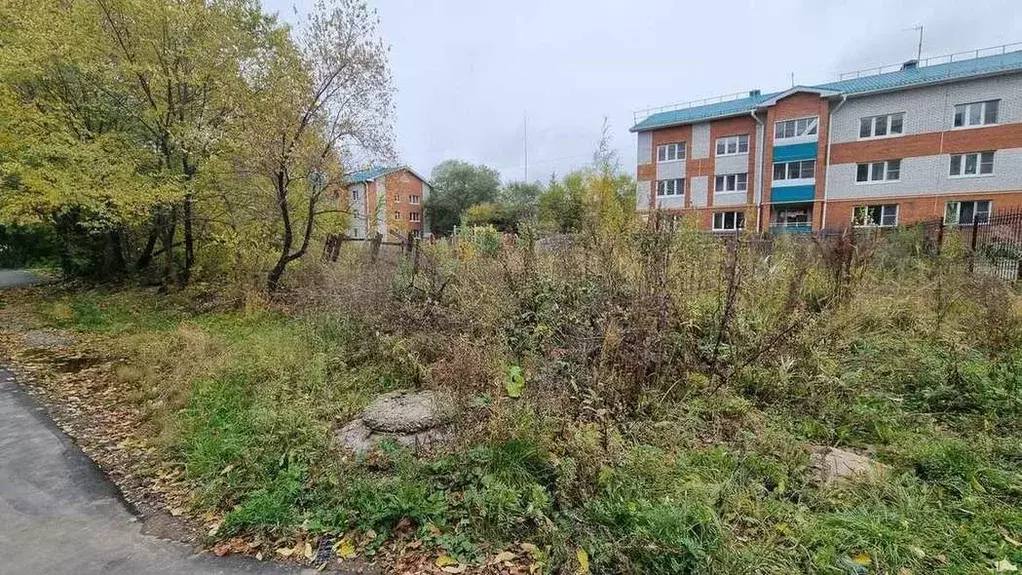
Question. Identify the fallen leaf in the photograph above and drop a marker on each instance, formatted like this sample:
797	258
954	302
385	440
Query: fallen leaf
309	554
503	556
529	548
583	561
285	551
862	559
460	568
1005	566
445	560
345	549
214	529
917	551
1009	539
259	556
177	511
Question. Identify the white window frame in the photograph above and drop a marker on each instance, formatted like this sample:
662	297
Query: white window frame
673	152
414	200
416	233
355	195
958	211
966	114
885	175
737	221
888	122
980	162
414	217
396	215
812	123
726	142
884	211
670	187
773	171
729	183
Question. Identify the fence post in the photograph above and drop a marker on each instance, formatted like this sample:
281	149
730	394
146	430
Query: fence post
415	257
374	249
972	244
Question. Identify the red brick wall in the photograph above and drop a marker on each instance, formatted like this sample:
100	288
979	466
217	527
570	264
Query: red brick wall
800	105
914	209
400	185
930	144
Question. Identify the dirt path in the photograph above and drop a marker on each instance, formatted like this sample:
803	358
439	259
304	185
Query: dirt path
60	514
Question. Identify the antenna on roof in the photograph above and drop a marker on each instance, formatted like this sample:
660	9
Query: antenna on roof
919	50
792	79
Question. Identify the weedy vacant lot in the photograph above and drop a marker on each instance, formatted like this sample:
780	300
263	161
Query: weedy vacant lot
639	401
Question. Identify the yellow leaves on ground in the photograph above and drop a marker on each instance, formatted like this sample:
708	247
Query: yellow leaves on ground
1005	566
583	561
345	549
862	559
449	564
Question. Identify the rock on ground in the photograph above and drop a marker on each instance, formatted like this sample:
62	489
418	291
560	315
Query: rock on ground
407	411
413	419
831	465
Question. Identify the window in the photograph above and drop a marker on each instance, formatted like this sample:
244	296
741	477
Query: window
881	126
355	195
888	171
724	221
731	183
414	217
675	187
733	145
397	215
965	213
414	200
670	152
416	234
883	216
976	113
795	128
974	164
805	169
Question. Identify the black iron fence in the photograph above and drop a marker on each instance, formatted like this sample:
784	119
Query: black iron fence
994	242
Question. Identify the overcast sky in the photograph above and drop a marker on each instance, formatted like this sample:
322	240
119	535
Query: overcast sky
468	72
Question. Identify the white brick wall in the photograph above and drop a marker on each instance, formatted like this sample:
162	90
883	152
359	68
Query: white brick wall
698	191
731	164
645	149
729	198
642	190
669	170
926	175
930	109
701	141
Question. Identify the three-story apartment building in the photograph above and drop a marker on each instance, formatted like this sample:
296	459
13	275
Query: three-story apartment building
388	202
886	148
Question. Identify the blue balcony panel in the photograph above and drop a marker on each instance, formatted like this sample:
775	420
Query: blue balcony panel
791	228
790	153
804	193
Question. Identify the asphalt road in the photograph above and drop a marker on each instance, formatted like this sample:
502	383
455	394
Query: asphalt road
18	278
60	514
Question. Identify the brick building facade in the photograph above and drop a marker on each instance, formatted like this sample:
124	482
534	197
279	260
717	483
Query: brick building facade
917	143
387	201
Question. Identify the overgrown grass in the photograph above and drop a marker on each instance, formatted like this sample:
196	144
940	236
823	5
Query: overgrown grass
659	435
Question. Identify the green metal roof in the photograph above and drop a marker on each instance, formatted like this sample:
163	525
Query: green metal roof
898	80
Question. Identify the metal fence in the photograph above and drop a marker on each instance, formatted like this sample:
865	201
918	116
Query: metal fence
994	243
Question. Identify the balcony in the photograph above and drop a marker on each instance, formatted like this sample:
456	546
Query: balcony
797	193
791	228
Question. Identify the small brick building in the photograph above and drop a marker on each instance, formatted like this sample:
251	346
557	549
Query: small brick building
388	202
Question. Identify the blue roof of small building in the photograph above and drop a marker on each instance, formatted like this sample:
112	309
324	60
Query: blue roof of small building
898	80
369	175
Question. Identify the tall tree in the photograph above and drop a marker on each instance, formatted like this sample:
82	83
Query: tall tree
321	95
457	185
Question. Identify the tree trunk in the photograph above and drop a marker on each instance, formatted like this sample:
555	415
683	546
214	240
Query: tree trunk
169	229
146	257
186	274
273	280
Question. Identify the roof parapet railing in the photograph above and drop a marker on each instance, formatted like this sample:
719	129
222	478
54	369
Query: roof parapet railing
934	60
640	115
